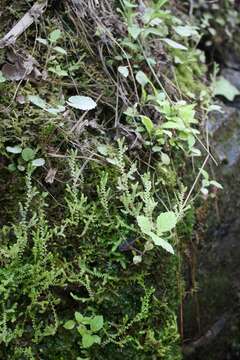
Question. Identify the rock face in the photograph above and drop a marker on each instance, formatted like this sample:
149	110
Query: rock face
218	270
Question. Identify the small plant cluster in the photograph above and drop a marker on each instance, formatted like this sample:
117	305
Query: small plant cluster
90	255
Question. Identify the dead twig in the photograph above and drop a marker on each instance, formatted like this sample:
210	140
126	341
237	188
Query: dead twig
30	17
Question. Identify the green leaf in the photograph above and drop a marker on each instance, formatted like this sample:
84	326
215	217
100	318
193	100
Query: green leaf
224	88
96	323
161	242
174	44
2	78
97	339
82	330
42	41
55	35
134	31
185	31
128	4
81	102
78	316
38	162
87	340
166	221
12	167
58	70
38	101
216	184
141	78
165	159
147	122
123	70
69	325
14	149
144	224
28	154
60	50
137	259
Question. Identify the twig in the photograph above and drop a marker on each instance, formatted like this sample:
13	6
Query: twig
31	15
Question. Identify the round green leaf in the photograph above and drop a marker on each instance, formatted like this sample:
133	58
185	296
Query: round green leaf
166	221
28	154
69	325
82	102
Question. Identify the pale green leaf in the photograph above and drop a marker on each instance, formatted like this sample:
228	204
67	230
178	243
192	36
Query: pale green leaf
224	88
55	35
166	221
134	31
69	325
60	50
81	102
165	159
141	78
161	242
38	101
144	224
185	31
96	323
42	41
87	340
14	149
38	162
137	259
2	78
123	70
78	316
216	184
174	44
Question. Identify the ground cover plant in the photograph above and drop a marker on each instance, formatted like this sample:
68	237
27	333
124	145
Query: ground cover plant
101	154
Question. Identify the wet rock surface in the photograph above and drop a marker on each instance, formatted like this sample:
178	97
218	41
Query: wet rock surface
218	254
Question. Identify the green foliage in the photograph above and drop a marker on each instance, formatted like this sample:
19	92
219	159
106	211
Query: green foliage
85	266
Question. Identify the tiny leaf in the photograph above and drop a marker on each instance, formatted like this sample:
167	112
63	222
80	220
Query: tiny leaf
14	149
81	102
78	317
87	340
137	259
166	221
38	162
55	35
37	100
96	323
134	31
141	78
174	44
147	122
161	242
123	70
144	224
60	50
28	154
69	325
